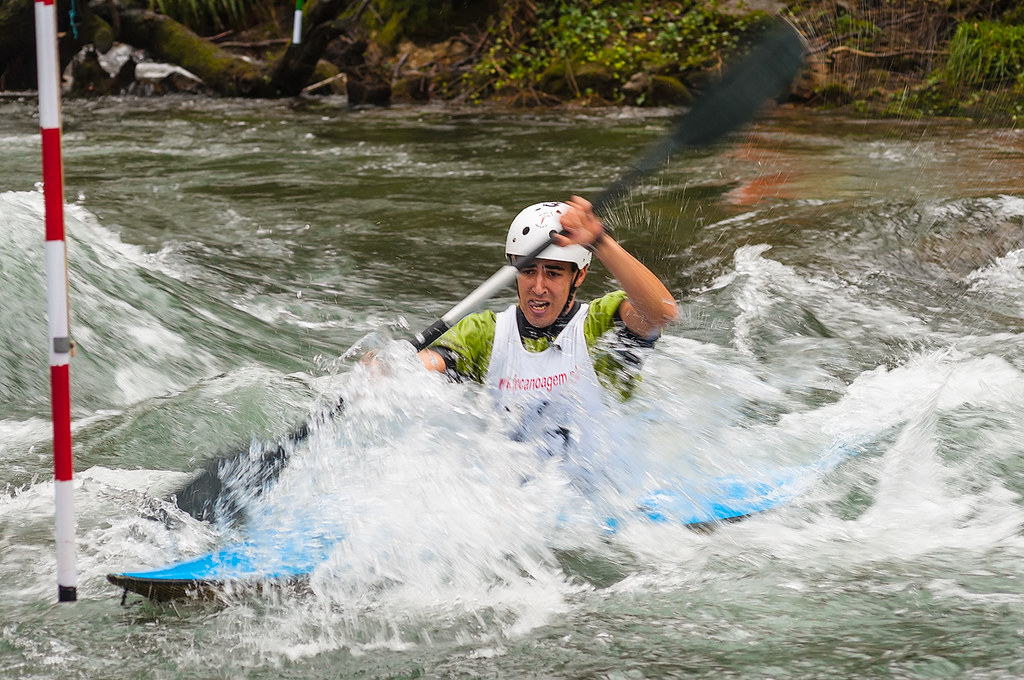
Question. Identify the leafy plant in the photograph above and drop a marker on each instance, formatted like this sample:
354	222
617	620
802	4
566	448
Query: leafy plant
626	35
986	52
847	24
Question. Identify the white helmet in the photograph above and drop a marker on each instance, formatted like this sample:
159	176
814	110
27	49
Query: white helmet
533	226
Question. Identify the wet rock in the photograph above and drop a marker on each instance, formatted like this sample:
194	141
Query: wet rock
644	89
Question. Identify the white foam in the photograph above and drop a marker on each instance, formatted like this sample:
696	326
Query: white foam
114	321
1004	279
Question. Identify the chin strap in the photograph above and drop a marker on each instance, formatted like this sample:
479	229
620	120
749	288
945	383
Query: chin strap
572	292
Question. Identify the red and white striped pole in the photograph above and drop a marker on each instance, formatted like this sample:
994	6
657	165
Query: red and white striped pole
48	65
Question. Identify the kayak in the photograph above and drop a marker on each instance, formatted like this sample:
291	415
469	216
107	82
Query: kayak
252	564
276	558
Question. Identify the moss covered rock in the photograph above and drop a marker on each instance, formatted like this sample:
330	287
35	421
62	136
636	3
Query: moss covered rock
645	89
595	78
555	81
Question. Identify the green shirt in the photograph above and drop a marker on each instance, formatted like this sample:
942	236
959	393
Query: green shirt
472	339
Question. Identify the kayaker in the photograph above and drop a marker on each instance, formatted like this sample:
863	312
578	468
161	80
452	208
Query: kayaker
549	341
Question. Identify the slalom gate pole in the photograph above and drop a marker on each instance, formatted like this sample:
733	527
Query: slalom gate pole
58	313
297	26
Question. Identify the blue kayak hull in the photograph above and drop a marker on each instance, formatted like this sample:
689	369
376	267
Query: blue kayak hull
277	559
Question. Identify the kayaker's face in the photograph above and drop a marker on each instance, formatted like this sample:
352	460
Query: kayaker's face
544	289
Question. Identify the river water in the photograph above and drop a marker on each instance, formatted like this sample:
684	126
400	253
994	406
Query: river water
843	285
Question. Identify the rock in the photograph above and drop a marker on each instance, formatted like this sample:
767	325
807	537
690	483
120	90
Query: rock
554	81
637	84
644	89
596	78
811	79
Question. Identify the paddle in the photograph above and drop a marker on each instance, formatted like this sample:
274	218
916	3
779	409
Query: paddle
765	73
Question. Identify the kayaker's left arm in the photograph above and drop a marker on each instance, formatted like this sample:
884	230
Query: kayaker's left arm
649	306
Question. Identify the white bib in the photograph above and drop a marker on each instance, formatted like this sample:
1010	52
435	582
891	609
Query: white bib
554	395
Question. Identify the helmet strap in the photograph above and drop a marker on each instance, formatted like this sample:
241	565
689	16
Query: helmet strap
572	291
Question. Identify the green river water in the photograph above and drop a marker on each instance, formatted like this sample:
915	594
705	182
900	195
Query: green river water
840	282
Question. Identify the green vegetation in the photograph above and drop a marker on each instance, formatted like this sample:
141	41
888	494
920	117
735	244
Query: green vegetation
847	25
982	78
205	14
425	20
625	37
986	53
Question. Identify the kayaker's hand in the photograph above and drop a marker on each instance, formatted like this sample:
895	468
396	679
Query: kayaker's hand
581	225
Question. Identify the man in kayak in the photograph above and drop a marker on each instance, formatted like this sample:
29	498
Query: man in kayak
545	349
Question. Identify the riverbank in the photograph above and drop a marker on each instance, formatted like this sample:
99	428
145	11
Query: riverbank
907	58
